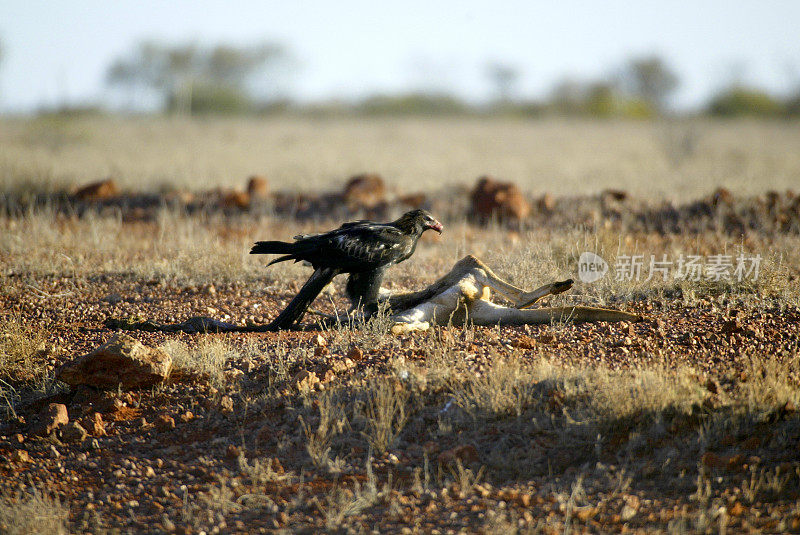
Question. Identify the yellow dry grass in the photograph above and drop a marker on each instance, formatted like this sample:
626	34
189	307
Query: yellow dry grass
678	160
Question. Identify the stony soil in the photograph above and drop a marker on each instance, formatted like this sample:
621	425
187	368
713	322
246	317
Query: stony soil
181	457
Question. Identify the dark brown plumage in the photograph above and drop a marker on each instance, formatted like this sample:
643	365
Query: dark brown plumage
364	249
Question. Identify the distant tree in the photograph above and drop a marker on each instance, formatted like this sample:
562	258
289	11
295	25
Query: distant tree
651	80
2	51
568	97
741	101
413	104
601	99
179	72
793	105
504	78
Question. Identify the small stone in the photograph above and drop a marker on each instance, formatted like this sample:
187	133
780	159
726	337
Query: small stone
73	432
731	327
524	342
149	472
53	416
547	338
319	341
94	424
627	513
355	354
305	380
226	403
20	456
168	524
341	366
164	422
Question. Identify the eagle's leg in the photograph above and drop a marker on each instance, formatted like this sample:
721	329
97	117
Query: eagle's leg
295	310
363	290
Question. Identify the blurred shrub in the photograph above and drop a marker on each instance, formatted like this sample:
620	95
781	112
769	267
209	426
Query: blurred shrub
600	99
214	99
413	104
741	101
793	106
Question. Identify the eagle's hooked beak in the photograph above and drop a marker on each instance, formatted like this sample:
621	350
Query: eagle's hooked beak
435	225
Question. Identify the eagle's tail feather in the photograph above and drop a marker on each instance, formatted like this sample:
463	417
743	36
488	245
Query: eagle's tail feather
272	247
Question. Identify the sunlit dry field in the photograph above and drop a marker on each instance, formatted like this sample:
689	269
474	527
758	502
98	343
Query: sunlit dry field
678	160
684	422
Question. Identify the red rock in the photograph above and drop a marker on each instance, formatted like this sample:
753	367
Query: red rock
413	200
235	199
722	196
97	191
258	187
466	453
546	203
364	191
51	417
355	354
524	342
547	338
122	361
501	200
164	422
94	424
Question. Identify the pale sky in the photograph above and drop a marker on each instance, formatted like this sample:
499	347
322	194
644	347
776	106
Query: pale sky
58	51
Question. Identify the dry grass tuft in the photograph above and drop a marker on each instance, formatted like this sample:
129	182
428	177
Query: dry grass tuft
386	414
33	512
21	351
209	358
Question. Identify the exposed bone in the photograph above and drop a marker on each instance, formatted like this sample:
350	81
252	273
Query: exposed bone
462	296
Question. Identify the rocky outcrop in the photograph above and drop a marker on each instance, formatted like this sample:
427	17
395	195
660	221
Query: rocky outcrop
98	191
122	361
365	191
258	188
502	201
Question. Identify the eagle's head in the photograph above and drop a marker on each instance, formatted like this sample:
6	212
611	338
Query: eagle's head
417	222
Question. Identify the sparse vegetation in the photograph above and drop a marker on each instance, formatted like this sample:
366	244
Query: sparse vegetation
687	421
32	511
